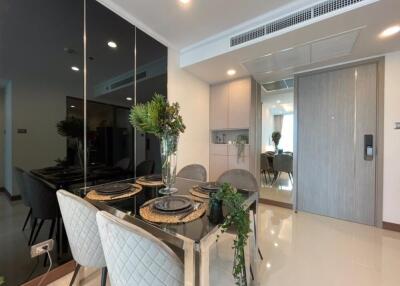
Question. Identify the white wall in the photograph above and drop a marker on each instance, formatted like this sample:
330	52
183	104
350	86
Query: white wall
391	176
193	95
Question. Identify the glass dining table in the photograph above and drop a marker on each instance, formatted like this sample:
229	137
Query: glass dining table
190	241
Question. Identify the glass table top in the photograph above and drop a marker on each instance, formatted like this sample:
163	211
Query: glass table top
195	230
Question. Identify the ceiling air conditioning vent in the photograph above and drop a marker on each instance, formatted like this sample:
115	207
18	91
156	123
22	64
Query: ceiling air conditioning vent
279	85
292	20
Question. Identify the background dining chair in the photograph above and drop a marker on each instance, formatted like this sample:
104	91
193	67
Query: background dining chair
284	163
266	168
123	164
79	218
44	205
145	168
20	180
193	172
135	257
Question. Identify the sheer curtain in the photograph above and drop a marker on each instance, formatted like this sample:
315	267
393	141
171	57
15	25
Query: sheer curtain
286	142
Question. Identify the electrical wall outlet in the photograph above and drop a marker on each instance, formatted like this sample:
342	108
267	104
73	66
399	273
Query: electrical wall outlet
42	247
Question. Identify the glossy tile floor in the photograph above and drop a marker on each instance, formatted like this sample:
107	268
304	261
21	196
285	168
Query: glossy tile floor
308	250
280	191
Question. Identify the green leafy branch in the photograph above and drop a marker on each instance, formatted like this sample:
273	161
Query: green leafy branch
238	218
157	117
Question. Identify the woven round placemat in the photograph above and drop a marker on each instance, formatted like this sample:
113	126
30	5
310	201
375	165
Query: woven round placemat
94	196
196	193
146	183
149	214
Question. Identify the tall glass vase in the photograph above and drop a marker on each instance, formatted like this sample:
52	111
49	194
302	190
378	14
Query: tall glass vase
169	148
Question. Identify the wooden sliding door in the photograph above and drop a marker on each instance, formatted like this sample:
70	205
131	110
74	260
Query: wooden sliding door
336	143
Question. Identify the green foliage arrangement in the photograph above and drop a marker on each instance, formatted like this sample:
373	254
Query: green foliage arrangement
71	127
157	117
276	137
238	218
2	280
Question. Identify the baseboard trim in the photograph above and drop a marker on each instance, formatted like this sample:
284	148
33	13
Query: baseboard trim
391	226
53	275
9	196
276	203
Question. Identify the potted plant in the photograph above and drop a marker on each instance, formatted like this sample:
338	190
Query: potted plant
2	280
162	119
276	137
72	128
237	217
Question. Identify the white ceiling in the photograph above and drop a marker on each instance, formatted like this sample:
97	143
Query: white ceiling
370	20
181	25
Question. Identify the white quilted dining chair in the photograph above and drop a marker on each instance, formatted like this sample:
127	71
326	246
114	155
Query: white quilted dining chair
135	257
79	218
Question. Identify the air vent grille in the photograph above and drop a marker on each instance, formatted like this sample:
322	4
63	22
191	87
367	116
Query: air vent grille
333	5
279	85
293	19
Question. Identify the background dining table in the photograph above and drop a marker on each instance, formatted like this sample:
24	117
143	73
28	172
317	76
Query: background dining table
190	241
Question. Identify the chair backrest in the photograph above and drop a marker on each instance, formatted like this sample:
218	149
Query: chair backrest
20	179
42	197
79	218
283	163
135	257
193	172
264	162
240	179
124	163
145	168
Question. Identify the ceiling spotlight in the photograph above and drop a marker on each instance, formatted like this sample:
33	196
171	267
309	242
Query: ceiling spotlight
390	31
112	44
72	106
231	72
75	68
129	98
184	1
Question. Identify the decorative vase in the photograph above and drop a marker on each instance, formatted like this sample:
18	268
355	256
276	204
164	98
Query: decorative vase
169	148
216	215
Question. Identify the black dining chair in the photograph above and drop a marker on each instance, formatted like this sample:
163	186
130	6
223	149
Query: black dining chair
44	206
193	172
283	163
145	168
19	177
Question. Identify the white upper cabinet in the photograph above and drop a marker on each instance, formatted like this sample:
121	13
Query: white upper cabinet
219	105
239	104
230	105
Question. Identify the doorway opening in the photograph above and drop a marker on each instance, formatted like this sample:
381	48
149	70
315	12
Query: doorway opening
276	161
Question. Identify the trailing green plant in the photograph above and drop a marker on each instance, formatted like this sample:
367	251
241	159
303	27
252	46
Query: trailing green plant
241	141
157	117
2	280
238	218
276	137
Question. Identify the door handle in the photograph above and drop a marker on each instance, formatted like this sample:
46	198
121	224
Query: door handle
368	147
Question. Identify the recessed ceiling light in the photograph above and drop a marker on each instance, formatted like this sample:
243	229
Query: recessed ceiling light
129	98
231	72
276	244
112	44
184	1
75	68
72	106
269	265
390	31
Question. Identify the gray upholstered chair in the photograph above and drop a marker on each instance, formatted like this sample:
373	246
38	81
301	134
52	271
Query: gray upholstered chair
240	179
284	163
193	172
19	177
79	218
135	257
266	168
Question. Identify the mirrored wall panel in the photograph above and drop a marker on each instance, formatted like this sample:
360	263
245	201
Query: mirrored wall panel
46	104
